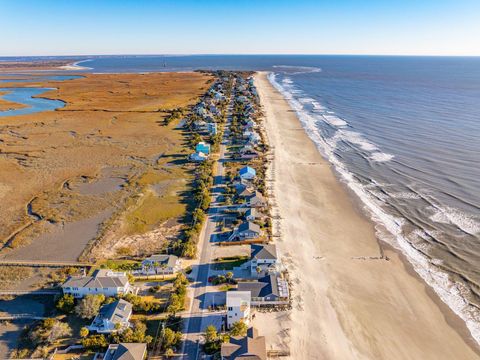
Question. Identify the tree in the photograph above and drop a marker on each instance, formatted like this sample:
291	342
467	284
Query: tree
49	330
89	306
239	328
84	332
134	335
170	338
212	341
58	331
211	334
169	353
94	342
66	303
175	305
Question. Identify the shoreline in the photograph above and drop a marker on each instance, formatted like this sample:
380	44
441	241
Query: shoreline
368	308
75	67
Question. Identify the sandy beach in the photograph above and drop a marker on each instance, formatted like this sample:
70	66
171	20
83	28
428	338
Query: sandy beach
350	299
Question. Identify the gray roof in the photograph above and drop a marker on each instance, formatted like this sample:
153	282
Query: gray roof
265	286
126	351
268	251
100	279
116	311
256	197
164	259
250	347
249	226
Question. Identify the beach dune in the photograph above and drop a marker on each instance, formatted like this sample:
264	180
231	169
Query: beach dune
351	300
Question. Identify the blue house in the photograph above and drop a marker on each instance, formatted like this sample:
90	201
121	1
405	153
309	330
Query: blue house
247	173
203	147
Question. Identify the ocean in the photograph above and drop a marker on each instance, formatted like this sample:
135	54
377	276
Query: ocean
403	133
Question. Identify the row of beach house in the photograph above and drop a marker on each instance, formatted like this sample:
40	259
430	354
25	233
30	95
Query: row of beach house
207	113
260	280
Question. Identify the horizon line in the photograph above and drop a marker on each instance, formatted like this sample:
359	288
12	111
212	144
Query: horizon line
241	54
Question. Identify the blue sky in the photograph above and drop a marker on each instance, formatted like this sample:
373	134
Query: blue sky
393	27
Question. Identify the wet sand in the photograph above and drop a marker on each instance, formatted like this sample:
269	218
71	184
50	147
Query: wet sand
349	302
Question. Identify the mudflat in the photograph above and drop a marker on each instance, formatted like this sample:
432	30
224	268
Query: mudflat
351	300
105	152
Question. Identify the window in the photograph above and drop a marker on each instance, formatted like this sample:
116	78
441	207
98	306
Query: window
230	308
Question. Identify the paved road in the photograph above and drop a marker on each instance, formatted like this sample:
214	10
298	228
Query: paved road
203	294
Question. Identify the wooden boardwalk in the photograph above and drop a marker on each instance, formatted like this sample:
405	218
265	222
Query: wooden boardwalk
31	292
39	263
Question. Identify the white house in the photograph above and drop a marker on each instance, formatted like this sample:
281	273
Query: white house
199	125
251	214
238	307
161	264
103	281
198	156
212	128
112	317
262	258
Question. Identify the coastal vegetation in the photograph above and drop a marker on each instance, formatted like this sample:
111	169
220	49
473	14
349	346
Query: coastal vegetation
84	164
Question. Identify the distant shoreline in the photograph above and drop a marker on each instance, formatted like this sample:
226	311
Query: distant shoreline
75	67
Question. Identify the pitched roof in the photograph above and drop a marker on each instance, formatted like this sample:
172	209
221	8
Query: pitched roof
247	170
268	251
126	351
257	195
250	347
164	259
249	226
102	278
265	286
116	311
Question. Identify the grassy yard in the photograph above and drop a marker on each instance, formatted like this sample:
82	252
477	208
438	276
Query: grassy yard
229	263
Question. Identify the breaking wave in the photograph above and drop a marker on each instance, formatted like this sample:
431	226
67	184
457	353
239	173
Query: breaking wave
389	227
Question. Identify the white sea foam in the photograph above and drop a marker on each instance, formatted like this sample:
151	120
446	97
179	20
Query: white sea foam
306	100
381	157
447	215
334	120
317	106
357	139
406	195
452	293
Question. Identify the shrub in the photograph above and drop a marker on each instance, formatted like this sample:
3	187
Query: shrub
139	304
89	306
66	304
94	342
239	328
49	330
